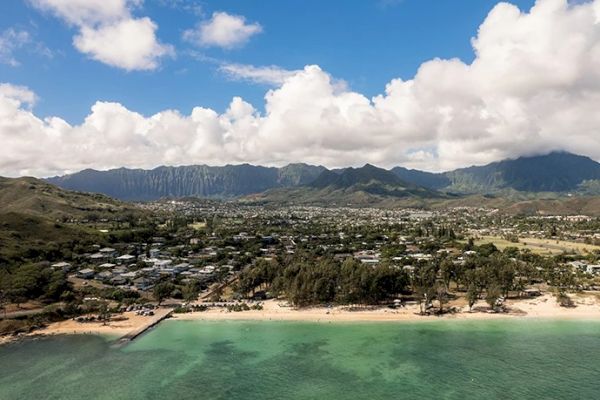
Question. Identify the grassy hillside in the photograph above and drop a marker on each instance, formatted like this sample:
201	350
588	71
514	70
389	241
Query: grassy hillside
38	219
34	197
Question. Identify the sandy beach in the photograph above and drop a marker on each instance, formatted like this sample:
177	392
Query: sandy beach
121	325
587	307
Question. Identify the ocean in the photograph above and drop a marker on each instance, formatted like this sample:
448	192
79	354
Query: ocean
507	359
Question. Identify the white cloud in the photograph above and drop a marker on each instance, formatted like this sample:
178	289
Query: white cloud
109	33
10	41
222	30
18	94
270	75
141	50
533	87
87	12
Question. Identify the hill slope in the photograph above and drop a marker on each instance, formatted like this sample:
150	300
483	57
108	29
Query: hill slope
366	186
33	197
37	218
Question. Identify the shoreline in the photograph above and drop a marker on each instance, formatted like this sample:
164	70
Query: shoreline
540	308
543	307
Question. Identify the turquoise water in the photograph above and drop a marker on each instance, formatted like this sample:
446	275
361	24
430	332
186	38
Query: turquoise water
282	360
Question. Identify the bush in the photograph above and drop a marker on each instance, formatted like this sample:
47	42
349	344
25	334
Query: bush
564	300
13	326
238	307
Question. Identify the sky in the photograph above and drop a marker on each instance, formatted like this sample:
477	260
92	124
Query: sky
427	84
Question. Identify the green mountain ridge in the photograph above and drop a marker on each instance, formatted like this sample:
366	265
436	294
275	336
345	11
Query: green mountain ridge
557	173
197	180
366	186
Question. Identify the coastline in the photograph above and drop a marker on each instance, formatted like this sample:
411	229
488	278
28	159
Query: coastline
543	307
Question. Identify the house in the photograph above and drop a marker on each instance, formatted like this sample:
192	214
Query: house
593	269
143	283
104	276
208	270
163	263
125	259
181	267
409	268
98	257
86	273
154	253
118	280
421	256
342	256
532	292
108	252
579	265
371	261
64	266
367	256
119	270
130	275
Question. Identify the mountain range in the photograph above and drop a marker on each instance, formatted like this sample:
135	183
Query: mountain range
195	180
557	172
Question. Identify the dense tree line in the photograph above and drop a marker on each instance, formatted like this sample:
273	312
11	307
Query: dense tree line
487	274
307	281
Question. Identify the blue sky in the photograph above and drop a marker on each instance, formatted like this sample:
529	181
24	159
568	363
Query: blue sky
425	84
365	43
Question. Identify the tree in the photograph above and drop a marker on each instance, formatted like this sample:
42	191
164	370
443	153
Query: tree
162	291
492	296
442	296
57	285
17	295
472	295
217	293
447	271
3	301
191	291
104	313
